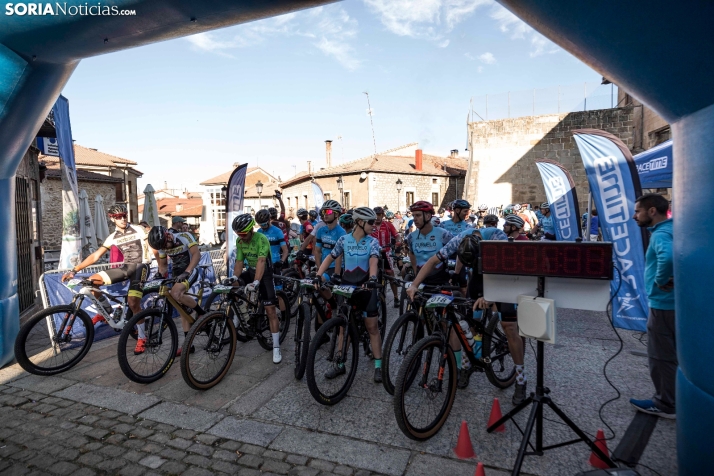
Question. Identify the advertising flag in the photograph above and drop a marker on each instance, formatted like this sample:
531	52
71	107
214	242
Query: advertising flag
615	184
318	195
560	190
70	255
234	207
655	166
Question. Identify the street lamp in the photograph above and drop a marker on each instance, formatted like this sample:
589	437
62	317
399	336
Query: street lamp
399	190
341	187
259	189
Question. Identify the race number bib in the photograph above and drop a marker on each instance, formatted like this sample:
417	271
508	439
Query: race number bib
152	285
345	291
440	300
307	284
222	289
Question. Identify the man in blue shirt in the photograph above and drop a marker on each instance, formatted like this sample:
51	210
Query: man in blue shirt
458	222
651	212
325	239
546	223
276	238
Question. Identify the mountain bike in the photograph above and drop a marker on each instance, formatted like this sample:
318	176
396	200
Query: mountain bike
426	382
57	338
235	315
335	345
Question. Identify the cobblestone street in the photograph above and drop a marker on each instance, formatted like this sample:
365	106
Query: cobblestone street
260	420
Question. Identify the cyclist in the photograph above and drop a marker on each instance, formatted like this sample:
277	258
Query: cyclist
276	239
280	221
313	218
386	235
458	223
184	254
131	241
546	223
325	241
490	230
360	252
254	248
482	212
426	241
346	222
514	227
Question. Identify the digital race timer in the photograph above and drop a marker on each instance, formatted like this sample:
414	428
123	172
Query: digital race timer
549	259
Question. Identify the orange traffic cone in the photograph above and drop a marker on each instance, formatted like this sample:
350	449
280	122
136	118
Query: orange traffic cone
602	445
495	416
464	449
479	470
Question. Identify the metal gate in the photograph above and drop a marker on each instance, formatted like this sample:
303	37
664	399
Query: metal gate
23	231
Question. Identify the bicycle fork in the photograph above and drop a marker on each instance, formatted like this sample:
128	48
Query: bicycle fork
65	329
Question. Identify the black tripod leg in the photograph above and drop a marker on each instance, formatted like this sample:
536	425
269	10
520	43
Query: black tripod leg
526	436
582	435
514	411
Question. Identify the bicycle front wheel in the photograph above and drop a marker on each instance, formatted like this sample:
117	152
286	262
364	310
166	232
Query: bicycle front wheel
500	369
213	338
41	351
302	339
282	311
424	392
406	331
148	363
332	361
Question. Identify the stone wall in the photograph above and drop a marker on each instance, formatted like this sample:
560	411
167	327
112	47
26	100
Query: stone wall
504	153
51	202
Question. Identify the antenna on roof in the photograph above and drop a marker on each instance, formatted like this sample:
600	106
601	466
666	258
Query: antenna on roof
369	111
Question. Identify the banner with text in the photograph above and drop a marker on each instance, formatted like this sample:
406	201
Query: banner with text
615	184
560	190
234	207
318	195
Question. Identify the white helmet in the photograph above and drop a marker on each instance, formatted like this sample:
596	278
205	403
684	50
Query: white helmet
363	213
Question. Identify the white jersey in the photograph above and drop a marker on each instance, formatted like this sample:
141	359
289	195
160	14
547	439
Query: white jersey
132	242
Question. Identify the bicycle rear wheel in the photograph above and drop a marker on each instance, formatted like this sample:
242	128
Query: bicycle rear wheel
214	339
332	361
39	352
223	303
423	395
501	370
282	311
406	331
302	339
159	348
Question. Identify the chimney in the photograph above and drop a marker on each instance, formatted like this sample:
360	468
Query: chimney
309	167
454	153
166	185
418	159
328	153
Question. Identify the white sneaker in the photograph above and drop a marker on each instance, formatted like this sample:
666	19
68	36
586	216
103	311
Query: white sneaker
277	356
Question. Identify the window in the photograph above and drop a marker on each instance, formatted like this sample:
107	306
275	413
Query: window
435	181
326	196
410	199
346	200
119	190
305	201
289	202
435	199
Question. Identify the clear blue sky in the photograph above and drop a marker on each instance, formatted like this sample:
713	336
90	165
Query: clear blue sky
272	91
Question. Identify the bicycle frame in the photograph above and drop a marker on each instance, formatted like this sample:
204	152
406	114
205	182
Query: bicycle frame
87	292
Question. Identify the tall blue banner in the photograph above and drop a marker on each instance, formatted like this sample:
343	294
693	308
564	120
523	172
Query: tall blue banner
234	207
318	195
615	185
560	190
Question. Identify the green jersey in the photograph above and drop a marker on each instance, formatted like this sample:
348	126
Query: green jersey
259	247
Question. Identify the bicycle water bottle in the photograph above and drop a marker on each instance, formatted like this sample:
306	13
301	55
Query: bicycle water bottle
465	362
477	345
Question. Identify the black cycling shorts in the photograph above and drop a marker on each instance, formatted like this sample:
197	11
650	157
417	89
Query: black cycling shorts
266	288
191	277
359	297
135	273
508	311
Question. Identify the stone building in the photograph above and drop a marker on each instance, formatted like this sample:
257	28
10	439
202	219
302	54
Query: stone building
187	205
503	170
372	181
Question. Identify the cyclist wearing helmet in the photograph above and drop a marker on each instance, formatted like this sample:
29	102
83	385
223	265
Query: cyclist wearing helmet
305	230
313	218
184	254
514	227
325	239
278	248
131	241
490	230
546	223
425	241
482	212
360	253
280	221
254	249
346	222
458	223
387	235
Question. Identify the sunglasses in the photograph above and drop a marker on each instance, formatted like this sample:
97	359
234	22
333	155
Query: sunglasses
118	216
328	212
371	222
264	225
243	235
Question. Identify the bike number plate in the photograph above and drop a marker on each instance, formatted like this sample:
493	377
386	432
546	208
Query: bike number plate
73	283
306	283
439	301
345	291
222	289
152	285
452	263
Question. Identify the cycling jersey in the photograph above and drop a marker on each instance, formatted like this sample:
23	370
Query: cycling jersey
179	252
276	239
258	247
455	228
424	247
356	256
546	224
319	225
305	230
280	225
492	233
452	247
384	232
326	240
131	242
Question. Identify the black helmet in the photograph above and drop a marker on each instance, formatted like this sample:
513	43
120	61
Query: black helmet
273	213
469	249
243	223
158	236
301	213
262	216
379	210
116	209
490	219
313	214
463	204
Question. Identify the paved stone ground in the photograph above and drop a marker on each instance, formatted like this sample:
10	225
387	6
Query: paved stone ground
260	420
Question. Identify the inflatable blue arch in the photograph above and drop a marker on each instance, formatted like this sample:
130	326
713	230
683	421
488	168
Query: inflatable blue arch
661	51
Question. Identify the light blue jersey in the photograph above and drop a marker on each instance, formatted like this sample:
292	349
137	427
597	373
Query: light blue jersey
455	228
356	255
326	240
276	238
424	247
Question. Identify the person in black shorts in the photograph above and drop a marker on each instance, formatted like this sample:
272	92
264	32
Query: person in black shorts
131	241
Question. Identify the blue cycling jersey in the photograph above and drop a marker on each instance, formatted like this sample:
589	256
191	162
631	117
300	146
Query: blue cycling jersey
452	247
492	233
424	247
547	225
355	256
276	238
326	240
455	228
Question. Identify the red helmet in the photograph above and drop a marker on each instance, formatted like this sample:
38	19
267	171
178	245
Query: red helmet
422	206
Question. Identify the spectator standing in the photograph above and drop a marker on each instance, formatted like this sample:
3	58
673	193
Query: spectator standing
398	221
651	212
594	225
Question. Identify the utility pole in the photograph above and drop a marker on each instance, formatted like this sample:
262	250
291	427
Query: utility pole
369	111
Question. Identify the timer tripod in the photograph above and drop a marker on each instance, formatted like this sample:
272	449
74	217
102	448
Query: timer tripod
538	399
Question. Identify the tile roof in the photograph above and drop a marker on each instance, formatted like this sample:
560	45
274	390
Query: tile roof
53	172
87	156
167	206
223	178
